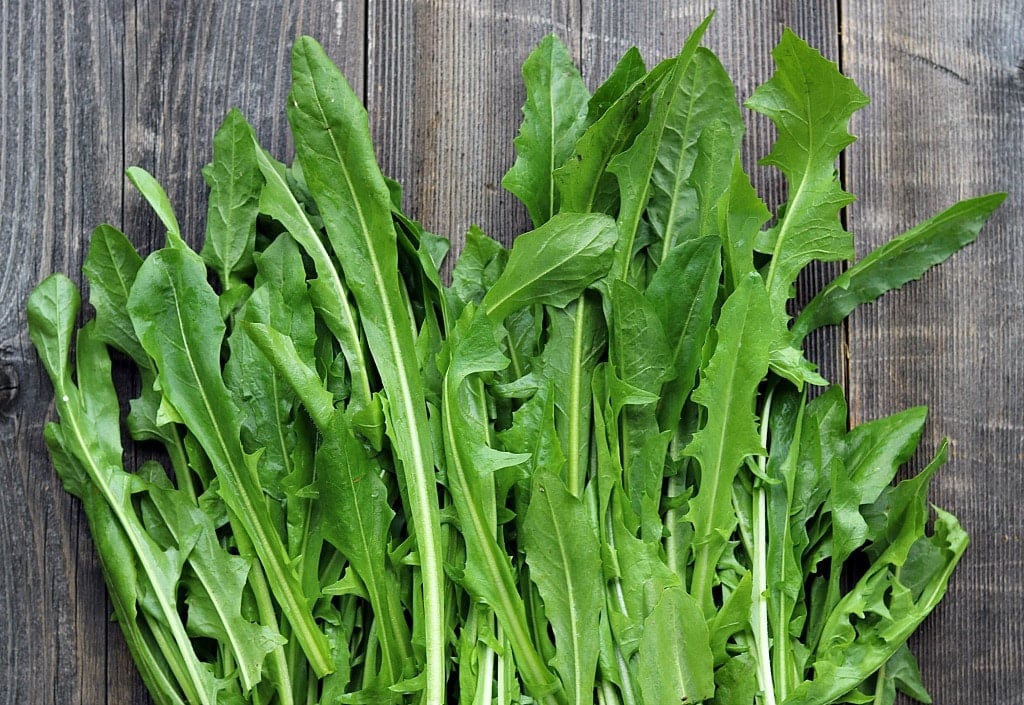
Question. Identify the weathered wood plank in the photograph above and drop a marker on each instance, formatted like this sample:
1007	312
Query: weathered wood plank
945	124
92	87
60	115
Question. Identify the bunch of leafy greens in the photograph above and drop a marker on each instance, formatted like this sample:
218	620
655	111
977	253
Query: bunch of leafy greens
586	470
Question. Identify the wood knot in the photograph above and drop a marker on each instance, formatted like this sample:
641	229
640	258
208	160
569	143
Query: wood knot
8	385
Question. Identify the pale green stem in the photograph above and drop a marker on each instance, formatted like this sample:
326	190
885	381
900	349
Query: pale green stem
759	569
268	617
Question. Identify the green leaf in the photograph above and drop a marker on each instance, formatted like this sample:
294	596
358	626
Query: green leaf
682	294
554	263
157	198
480	263
471	463
280	350
354	500
234	182
554	117
640	359
329	294
88	455
741	214
52	308
700	138
634	168
577	339
900	588
584	182
727	389
111	266
676	665
735	682
732	619
215	596
901	673
332	141
810	103
178	322
628	70
267	403
563	553
713	175
903	259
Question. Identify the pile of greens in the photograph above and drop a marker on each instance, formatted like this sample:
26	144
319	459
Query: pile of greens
584	470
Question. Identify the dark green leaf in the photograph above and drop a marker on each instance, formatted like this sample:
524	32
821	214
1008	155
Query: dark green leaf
234	182
901	260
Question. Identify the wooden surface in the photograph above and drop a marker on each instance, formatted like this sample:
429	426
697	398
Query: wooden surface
91	87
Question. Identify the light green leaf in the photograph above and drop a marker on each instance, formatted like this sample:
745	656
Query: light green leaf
629	69
741	213
563	552
216	586
87	453
576	343
810	103
900	588
682	294
554	117
479	265
157	198
554	263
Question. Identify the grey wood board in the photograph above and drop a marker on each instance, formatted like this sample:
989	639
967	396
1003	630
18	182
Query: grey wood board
92	87
946	123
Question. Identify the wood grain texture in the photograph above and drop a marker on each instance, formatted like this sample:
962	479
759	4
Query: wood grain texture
91	87
57	80
946	123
